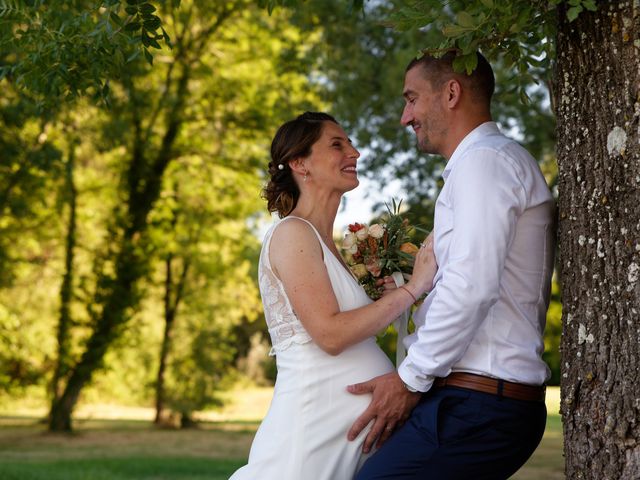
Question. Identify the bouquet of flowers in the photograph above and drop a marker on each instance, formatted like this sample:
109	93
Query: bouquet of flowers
380	249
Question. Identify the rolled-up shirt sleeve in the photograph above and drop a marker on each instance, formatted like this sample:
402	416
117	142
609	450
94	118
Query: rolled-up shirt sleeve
485	196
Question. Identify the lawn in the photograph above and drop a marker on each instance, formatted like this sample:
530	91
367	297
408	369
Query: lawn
116	443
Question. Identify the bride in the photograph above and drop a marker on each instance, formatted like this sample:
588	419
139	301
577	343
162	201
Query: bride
321	322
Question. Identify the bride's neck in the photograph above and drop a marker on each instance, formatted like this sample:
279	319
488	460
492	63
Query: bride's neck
321	214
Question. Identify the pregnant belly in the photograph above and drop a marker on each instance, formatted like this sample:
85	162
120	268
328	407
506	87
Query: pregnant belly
317	381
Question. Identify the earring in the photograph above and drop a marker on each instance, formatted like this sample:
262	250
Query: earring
304	179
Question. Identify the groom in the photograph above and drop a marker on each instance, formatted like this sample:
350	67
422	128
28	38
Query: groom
470	394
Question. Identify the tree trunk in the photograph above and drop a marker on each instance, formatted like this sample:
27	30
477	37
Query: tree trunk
598	111
66	289
169	317
173	296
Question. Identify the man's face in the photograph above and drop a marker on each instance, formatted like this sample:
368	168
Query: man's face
424	111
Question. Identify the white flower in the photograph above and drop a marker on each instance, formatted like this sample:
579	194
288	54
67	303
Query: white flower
376	230
363	233
349	241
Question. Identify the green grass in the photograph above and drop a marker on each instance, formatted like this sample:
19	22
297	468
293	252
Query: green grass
119	469
129	449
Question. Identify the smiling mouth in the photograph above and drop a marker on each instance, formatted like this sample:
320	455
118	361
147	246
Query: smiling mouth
350	169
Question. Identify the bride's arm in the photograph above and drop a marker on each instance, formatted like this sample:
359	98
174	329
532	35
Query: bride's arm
297	259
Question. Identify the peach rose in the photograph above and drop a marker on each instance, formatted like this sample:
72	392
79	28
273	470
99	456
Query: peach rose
410	248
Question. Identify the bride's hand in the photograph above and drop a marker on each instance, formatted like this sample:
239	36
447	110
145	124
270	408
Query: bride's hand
386	284
424	267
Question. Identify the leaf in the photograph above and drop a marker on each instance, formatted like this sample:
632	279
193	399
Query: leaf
148	56
115	18
154	43
147	8
131	10
465	20
459	64
453	30
487	3
573	13
133	56
152	22
590	5
132	27
166	37
470	62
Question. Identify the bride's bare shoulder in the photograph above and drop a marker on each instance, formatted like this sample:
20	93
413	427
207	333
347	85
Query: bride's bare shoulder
294	238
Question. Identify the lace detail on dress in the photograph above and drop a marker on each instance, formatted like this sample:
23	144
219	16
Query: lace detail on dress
284	327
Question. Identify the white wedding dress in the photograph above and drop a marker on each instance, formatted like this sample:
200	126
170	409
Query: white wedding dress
304	435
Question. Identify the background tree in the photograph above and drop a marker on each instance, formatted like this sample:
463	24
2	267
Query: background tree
207	289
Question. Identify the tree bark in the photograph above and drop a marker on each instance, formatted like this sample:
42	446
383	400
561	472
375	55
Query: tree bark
598	112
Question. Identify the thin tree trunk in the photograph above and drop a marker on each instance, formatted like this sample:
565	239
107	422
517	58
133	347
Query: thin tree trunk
598	106
66	289
172	298
169	317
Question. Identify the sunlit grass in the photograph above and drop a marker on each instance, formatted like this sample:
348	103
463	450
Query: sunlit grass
109	443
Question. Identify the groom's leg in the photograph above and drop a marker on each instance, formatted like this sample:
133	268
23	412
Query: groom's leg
458	434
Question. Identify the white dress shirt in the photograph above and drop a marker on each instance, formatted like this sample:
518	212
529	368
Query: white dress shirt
494	244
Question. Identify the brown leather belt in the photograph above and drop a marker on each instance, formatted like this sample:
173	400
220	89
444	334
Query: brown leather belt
479	383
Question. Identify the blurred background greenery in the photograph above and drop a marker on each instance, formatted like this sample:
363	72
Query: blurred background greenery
130	209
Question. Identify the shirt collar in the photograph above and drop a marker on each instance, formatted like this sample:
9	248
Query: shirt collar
486	128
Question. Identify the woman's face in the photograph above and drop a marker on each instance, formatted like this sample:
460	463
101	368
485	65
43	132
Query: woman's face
333	160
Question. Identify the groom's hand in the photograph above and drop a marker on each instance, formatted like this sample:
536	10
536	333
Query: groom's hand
390	407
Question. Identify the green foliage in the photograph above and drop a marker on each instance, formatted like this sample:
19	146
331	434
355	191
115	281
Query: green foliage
29	166
58	54
519	33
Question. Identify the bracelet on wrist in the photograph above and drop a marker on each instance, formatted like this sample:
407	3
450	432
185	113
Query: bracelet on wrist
407	290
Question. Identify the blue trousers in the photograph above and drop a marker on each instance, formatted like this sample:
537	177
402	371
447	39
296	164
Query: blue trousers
458	434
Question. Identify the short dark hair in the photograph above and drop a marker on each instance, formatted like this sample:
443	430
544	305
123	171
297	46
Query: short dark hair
438	70
293	139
